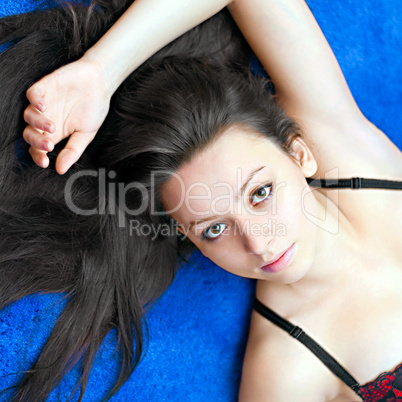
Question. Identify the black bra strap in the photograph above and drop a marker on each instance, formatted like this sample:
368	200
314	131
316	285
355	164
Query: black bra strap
302	337
355	183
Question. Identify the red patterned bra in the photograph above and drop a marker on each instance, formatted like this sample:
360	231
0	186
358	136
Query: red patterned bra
386	387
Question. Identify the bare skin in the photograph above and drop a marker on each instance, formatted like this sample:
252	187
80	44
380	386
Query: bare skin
339	312
337	285
351	323
343	286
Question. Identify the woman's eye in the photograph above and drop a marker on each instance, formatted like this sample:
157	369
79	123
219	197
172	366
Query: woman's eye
261	194
213	231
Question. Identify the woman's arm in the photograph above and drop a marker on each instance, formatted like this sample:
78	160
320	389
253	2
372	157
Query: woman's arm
289	43
311	87
284	35
142	30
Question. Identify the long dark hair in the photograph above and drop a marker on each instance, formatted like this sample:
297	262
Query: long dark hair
165	112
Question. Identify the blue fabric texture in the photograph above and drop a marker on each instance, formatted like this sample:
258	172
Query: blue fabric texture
198	329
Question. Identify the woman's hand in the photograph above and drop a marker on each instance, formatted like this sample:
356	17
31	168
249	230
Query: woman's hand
73	101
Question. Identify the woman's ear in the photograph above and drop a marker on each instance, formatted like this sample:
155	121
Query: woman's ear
303	157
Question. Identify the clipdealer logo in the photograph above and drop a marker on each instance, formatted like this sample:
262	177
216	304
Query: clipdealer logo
109	189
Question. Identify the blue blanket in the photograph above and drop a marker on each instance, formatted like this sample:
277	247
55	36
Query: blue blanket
198	329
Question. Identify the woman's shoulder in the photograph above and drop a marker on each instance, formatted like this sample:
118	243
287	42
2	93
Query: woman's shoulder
358	149
351	146
277	368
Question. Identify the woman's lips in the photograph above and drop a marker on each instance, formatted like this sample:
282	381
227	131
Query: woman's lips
282	262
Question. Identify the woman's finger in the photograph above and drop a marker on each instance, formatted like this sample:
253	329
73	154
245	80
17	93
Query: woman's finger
39	157
37	120
35	95
37	139
73	150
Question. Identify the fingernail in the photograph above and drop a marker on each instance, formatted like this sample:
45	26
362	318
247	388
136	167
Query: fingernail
41	107
48	127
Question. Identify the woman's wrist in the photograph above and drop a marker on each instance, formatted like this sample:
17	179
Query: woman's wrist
109	75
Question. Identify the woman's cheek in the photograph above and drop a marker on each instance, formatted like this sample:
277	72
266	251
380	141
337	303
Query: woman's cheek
289	212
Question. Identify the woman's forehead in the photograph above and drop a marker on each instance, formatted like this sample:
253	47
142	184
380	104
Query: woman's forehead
217	174
236	151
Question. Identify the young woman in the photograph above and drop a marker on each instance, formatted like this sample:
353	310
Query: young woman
214	128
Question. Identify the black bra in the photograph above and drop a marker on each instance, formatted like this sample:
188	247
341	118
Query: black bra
355	183
297	332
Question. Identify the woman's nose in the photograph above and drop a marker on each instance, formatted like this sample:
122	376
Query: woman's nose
256	236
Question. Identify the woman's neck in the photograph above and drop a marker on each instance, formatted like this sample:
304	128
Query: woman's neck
336	246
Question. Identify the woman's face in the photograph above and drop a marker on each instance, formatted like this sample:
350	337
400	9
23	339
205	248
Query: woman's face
240	202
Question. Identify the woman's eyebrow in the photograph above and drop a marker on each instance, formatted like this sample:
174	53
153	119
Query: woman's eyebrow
197	222
245	184
236	198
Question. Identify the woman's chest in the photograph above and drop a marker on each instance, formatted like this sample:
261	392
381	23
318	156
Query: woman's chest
374	334
365	330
